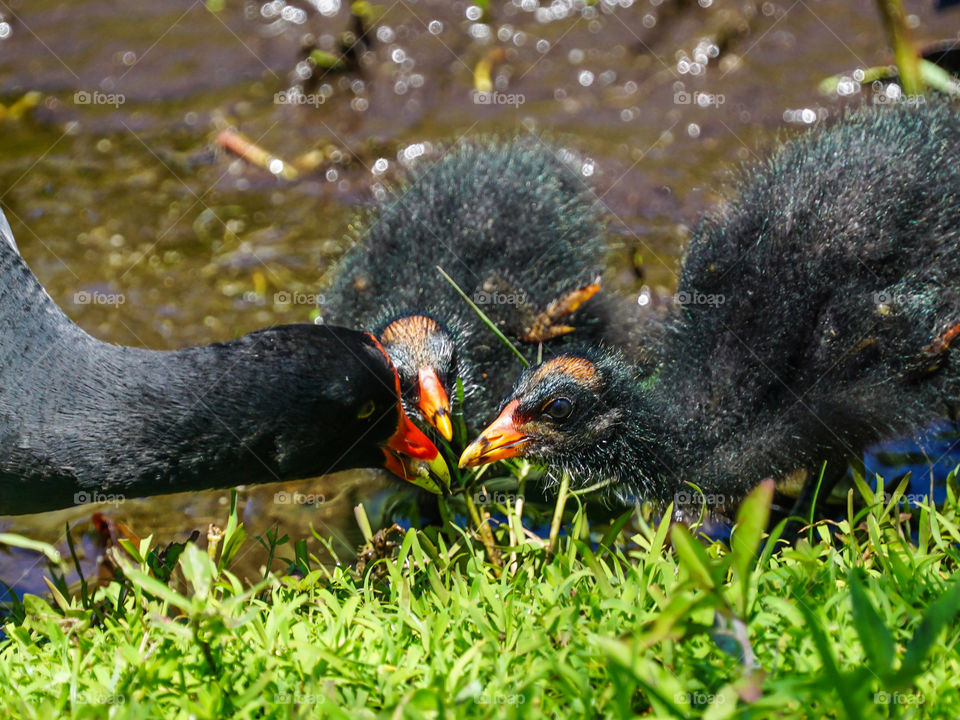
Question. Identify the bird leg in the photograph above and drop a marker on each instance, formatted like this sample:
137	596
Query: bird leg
544	326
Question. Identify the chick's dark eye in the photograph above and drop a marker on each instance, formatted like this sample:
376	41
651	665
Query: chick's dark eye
367	410
558	408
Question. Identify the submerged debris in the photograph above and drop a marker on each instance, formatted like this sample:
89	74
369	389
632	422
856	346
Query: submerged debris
383	545
256	155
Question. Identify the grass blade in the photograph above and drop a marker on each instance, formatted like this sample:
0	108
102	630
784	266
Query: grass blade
486	321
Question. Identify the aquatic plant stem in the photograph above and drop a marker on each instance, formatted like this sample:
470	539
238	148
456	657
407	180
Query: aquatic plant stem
898	35
515	517
486	536
360	513
562	494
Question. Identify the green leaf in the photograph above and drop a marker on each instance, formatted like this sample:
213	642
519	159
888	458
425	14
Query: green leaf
459	422
831	673
660	536
586	554
622	655
693	557
771	545
162	562
132	550
156	588
326	60
613	532
940	612
484	319
816	496
52	554
875	636
360	513
895	497
58	597
752	520
869	498
233	536
198	569
938	78
829	85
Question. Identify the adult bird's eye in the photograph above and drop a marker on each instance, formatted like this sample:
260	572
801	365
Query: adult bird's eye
367	410
558	408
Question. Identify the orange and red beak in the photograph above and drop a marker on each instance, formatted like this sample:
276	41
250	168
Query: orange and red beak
410	455
434	403
502	439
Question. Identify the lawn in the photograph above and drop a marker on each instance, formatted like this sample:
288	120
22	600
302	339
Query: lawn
853	619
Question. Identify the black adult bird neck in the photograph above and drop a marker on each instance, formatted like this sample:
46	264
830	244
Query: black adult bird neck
81	418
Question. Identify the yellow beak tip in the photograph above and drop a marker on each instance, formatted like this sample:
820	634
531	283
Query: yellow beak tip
439	468
444	426
469	457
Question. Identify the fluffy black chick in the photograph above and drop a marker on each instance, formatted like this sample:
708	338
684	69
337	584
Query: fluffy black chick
516	229
817	314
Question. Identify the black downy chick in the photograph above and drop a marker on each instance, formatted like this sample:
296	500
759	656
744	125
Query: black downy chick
822	307
517	231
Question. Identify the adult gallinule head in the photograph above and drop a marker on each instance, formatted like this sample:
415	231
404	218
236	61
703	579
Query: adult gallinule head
80	418
816	314
514	228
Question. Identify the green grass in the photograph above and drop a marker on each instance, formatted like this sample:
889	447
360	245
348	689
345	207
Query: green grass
856	625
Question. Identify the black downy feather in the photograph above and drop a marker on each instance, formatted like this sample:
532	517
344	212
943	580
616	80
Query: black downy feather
513	225
816	315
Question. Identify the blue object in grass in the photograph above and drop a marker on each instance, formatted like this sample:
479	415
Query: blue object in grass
929	458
